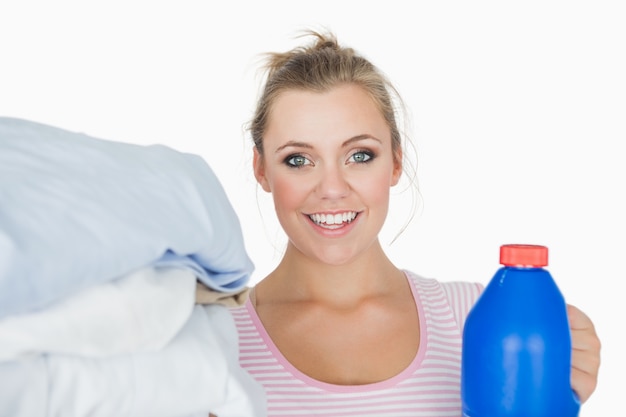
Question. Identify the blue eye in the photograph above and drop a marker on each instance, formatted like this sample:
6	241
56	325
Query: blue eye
297	161
361	157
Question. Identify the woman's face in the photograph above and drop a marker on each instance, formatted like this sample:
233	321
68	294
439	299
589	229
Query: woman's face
329	165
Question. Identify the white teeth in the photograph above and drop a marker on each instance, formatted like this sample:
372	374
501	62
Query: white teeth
333	219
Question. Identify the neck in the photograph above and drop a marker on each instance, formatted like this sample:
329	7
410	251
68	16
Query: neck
300	278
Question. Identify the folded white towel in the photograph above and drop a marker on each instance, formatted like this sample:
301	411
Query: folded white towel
196	373
141	311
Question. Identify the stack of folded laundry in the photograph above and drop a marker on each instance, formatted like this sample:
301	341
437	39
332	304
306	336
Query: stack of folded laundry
117	266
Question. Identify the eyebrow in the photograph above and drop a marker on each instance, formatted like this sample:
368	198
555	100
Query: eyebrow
296	144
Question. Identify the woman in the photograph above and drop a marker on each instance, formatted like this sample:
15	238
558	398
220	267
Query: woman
337	328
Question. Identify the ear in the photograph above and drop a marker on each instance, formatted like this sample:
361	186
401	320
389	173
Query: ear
259	170
397	168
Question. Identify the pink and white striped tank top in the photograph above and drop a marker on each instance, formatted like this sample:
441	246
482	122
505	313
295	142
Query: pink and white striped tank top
429	386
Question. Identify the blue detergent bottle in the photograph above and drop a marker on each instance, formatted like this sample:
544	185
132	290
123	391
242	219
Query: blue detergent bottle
516	359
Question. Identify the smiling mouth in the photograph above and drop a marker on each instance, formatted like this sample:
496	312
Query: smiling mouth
333	221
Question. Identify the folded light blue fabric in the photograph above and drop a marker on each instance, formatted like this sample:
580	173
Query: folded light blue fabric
76	210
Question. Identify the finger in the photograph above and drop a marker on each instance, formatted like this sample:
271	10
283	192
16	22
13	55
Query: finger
585	340
583	332
583	384
586	361
578	319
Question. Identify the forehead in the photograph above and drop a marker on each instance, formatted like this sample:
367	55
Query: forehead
342	112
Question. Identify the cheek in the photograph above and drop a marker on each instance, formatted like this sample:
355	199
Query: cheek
376	188
287	193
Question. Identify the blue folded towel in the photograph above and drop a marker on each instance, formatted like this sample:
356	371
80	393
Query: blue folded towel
77	211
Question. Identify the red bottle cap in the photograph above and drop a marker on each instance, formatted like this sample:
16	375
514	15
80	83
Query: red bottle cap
524	255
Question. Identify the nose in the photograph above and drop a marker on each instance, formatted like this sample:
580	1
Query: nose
332	183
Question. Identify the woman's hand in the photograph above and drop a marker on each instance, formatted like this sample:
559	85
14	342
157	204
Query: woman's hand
585	353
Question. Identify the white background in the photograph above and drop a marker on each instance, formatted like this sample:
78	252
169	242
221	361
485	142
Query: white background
517	116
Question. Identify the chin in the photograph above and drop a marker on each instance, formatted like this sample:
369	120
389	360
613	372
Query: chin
337	258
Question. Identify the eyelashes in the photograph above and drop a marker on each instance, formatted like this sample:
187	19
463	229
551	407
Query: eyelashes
361	157
298	160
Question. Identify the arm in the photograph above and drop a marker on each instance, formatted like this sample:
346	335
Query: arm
585	353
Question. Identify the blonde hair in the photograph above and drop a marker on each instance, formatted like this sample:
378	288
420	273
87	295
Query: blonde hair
320	66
